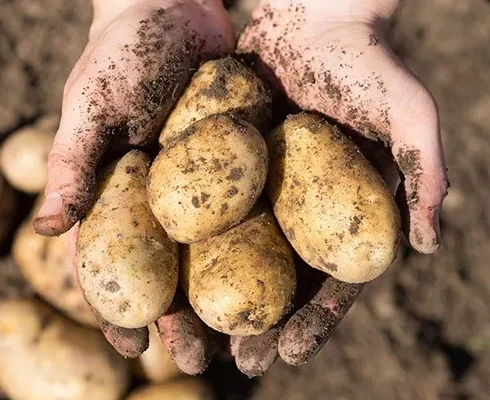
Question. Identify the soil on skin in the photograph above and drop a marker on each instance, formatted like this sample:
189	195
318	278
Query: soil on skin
421	331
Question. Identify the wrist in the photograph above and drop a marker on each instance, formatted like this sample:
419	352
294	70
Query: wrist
104	9
370	10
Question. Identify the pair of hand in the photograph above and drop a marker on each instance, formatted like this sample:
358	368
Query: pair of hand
330	57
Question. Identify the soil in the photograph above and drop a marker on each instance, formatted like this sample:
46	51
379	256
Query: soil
421	331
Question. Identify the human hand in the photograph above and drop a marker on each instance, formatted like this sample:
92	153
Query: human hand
334	59
139	57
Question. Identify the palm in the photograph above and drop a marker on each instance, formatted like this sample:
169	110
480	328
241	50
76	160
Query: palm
346	71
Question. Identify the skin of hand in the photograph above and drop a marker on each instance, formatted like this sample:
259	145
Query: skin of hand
333	58
138	59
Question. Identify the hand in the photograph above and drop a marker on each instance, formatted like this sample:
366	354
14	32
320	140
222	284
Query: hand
139	57
334	59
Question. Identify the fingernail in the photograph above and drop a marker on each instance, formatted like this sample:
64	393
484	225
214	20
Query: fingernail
52	205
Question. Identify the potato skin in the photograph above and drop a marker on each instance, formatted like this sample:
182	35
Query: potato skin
127	265
44	356
45	263
155	362
218	87
331	203
209	179
180	389
243	281
24	155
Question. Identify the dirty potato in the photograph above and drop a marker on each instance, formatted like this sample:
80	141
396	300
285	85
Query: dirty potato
218	87
331	203
127	265
46	265
242	281
180	389
44	356
209	179
24	155
156	364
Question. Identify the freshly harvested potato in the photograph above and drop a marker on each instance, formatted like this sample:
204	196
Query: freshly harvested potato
219	87
44	356
180	389
331	203
7	206
209	179
243	281
45	263
24	155
127	264
156	364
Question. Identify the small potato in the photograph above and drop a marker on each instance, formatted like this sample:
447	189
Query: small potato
127	265
331	203
45	263
219	87
156	364
180	389
44	356
243	281
24	155
209	179
7	207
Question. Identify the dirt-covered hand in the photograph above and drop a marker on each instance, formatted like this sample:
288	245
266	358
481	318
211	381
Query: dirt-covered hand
138	60
332	57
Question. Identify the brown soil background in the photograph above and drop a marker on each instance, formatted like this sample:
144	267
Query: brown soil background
422	331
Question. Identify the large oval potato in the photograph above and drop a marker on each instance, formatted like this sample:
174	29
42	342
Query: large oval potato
155	362
219	87
242	281
180	389
209	179
331	203
7	207
24	155
127	264
46	265
44	356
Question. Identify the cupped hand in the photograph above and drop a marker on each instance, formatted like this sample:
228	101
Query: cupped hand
138	60
333	57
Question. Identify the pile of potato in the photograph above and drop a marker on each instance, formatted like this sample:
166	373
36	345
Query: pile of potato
220	212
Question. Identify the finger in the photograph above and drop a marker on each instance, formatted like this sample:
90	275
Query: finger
254	355
129	343
418	153
310	328
184	335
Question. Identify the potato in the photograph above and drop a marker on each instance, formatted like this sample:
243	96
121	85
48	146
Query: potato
24	155
45	263
180	389
127	265
156	364
7	207
243	281
219	87
44	356
209	179
331	203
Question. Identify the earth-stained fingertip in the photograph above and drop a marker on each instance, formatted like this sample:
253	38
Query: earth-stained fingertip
130	343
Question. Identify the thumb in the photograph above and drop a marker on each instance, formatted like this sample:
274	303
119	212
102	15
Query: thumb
417	150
